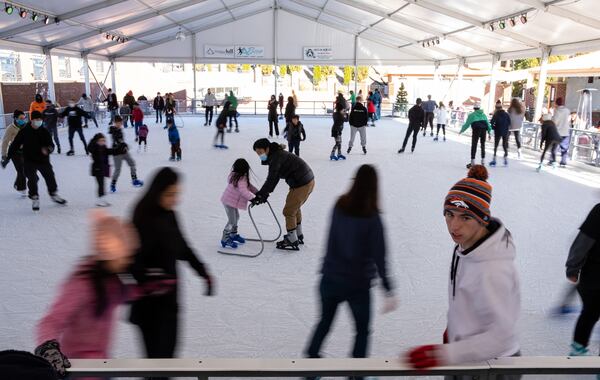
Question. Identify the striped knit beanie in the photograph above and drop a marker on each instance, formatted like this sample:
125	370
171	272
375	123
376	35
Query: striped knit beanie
472	195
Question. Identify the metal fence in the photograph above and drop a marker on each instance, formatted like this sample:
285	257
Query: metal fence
205	369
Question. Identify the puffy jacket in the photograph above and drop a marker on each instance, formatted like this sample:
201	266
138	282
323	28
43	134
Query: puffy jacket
234	102
238	196
100	165
119	144
477	119
9	135
158	103
290	110
272	106
173	135
86	104
359	117
338	124
500	122
112	102
138	115
285	165
371	106
210	100
129	100
549	132
441	115
37	106
32	142
295	132
143	131
416	115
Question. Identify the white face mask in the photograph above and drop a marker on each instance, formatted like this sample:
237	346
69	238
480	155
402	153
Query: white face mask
71	104
37	123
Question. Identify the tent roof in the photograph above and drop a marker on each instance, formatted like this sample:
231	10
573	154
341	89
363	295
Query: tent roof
358	31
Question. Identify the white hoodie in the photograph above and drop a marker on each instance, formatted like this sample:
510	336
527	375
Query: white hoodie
562	119
485	306
442	115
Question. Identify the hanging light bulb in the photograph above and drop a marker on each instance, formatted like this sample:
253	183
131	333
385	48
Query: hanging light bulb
107	36
512	21
502	24
34	17
437	41
180	36
423	43
46	20
524	18
492	26
114	37
23	13
8	9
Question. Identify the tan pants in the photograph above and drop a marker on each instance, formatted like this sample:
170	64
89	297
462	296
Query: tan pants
295	199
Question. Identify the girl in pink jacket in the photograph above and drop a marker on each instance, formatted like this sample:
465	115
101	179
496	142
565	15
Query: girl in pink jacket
81	320
236	196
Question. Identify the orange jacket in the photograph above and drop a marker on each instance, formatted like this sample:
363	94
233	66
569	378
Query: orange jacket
35	106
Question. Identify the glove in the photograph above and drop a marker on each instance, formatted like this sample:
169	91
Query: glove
445	336
424	357
209	286
4	162
390	303
50	351
258	199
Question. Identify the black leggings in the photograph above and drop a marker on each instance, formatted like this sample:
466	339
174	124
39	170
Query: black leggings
549	146
21	180
100	181
504	138
478	135
415	131
589	315
428	119
338	145
517	138
160	339
208	114
273	123
220	132
443	126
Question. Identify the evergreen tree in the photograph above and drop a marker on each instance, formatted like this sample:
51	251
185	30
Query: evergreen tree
401	104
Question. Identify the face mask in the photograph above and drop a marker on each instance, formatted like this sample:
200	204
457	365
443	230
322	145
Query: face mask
37	123
21	122
71	104
263	157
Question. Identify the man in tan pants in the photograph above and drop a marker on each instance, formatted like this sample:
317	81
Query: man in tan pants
298	175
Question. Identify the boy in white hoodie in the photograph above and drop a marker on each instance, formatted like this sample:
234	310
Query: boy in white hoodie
484	295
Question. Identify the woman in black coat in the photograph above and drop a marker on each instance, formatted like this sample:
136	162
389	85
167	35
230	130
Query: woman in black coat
273	116
161	245
290	110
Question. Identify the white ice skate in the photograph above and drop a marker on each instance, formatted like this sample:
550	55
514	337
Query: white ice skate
102	203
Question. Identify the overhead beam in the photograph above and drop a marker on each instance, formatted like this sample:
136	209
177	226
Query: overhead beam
322	9
124	22
228	10
195	31
62	17
564	13
170	26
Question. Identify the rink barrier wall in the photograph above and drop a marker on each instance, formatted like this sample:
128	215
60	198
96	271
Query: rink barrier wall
205	369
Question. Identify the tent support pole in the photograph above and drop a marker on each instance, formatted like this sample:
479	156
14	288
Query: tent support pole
194	72
275	32
493	80
50	77
86	76
356	65
539	99
113	68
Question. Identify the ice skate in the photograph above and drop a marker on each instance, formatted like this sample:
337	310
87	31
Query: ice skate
301	239
349	149
364	149
493	162
431	135
505	161
444	138
23	193
172	159
436	138
58	149
228	243
401	150
539	168
102	203
35	203
137	183
519	153
288	245
57	199
341	157
237	130
178	159
578	349
71	153
237	238
333	157
483	162
469	166
113	187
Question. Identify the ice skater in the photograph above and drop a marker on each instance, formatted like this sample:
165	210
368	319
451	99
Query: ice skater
351	263
233	113
500	125
175	141
371	108
272	117
100	166
441	115
480	126
221	125
301	180
120	154
550	138
358	119
74	114
237	194
484	294
138	119
336	133
295	133
143	137
429	107
36	144
51	122
416	118
19	122
517	116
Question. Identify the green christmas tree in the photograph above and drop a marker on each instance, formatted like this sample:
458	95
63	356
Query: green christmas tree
401	104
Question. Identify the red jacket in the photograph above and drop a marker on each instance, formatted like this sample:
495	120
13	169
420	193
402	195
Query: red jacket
370	107
138	115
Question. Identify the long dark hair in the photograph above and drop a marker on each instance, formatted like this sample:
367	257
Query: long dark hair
362	200
516	106
98	276
239	170
149	205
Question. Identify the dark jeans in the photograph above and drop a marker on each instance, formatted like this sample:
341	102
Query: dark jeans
137	126
294	147
221	133
113	113
160	338
208	114
79	131
233	116
428	120
142	140
564	149
414	129
31	169
159	115
589	315
100	181
92	118
54	133
131	117
443	126
504	138
549	146
517	138
271	124
19	184
176	150
478	135
334	293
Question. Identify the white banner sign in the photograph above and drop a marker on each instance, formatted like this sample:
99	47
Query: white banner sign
249	51
317	52
219	51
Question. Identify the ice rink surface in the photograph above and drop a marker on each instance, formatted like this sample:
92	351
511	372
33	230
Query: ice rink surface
266	307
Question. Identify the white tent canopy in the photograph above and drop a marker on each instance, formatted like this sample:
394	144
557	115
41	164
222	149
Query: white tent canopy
354	31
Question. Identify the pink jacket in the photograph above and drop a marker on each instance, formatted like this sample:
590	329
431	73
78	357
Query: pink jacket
238	197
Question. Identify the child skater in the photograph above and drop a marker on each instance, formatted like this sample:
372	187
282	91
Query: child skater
100	165
550	139
442	119
236	196
175	141
371	109
142	137
221	124
336	133
82	318
295	133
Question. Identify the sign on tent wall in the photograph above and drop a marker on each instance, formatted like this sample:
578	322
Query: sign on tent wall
234	51
314	53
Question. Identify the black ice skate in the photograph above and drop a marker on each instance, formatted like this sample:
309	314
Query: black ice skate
287	245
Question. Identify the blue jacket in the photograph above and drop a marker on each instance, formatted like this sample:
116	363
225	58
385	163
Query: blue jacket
500	123
173	135
356	250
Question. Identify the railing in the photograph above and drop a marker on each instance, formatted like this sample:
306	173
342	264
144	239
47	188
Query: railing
205	369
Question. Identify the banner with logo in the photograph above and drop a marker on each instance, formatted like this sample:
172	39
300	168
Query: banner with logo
249	51
311	53
219	51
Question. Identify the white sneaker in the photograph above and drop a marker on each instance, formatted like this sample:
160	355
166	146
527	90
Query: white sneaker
102	203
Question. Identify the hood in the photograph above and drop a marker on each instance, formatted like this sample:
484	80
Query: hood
497	246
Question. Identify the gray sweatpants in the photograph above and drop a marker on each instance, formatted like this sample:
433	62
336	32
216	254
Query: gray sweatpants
363	135
233	216
119	162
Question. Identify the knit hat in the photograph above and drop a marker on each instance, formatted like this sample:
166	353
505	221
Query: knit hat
477	105
36	115
112	239
472	195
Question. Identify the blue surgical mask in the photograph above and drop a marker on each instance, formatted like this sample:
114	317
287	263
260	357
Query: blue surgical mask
263	157
21	122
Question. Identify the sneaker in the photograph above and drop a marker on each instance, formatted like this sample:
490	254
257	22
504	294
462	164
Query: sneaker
578	350
35	203
364	149
493	163
401	150
113	187
333	157
341	157
57	199
238	239
70	153
102	203
229	243
137	183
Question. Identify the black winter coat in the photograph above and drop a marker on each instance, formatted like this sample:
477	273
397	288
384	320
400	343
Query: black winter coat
338	124
359	117
290	110
33	141
295	133
285	165
416	115
549	133
159	103
500	122
161	245
50	117
100	165
74	115
119	144
111	102
273	110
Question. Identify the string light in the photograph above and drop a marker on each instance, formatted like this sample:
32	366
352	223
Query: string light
512	22
34	17
23	13
8	9
502	24
524	18
46	20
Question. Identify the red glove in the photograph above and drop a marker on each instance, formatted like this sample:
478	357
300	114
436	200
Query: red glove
445	336
424	357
